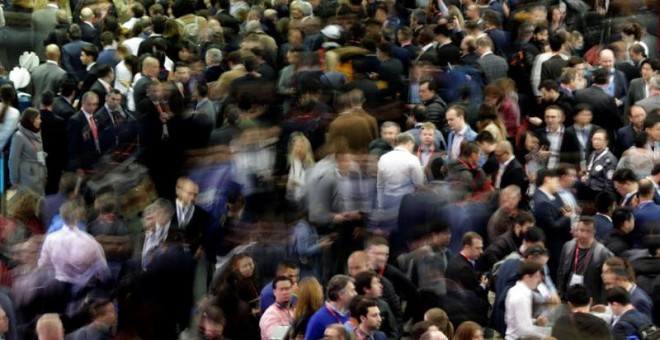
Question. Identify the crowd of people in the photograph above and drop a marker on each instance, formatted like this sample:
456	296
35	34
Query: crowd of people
330	169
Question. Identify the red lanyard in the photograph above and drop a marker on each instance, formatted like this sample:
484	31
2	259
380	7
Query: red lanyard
419	153
333	313
575	262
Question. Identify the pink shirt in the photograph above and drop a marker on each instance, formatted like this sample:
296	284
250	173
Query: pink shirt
274	316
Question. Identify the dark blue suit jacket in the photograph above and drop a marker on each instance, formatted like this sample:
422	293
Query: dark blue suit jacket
603	227
642	301
647	220
625	138
71	59
107	57
82	148
501	39
556	226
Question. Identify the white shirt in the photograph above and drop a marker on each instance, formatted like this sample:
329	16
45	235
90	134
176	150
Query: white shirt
518	314
455	147
130	23
133	44
399	172
555	139
500	172
9	125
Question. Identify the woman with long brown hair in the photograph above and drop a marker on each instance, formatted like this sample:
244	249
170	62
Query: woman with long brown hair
310	299
27	159
469	330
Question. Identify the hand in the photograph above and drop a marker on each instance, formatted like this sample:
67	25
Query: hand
353	215
541	321
618	102
554	299
325	242
339	218
484	280
535	121
567	211
198	253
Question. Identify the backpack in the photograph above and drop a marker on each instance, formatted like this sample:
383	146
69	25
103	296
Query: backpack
190	30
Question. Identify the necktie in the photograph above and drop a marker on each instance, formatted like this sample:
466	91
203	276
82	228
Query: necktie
92	124
116	117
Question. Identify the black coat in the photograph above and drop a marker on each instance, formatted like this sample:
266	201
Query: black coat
195	231
603	107
83	153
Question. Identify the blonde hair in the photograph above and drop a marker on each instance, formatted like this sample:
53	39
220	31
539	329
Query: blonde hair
428	126
308	159
310	297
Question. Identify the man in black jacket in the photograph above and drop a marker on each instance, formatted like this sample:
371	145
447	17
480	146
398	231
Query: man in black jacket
510	241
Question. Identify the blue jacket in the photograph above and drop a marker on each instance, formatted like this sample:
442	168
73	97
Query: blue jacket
470	135
647	216
322	319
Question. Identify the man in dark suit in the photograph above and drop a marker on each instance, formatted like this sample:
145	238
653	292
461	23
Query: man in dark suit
492	67
108	55
510	171
652	102
583	130
47	76
105	75
53	134
562	147
462	268
226	19
71	54
150	69
619	277
214	68
89	32
115	125
552	95
82	134
552	68
43	22
190	217
617	84
603	105
625	136
446	52
646	215
551	215
391	71
146	46
639	87
63	106
501	39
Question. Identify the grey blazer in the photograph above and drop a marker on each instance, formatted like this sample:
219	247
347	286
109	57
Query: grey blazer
636	92
25	171
46	76
43	22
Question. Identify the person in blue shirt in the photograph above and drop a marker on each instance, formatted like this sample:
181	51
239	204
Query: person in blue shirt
340	292
286	268
370	321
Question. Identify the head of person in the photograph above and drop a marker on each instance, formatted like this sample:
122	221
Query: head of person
600	77
150	67
652	127
406	140
243	265
469	330
368	314
583	115
585	232
618	299
440	234
341	290
536	253
541	33
487	142
389	131
637	116
90	102
31	119
440	318
427	134
524	221
455	116
649	68
472	245
548	180
427	90
103	311
600	140
510	198
378	250
358	262
88	54
336	332
623	220
531	273
49	327
579	296
625	181
470	152
605	203
427	330
368	284
212	321
616	277
282	286
534	237
113	99
186	191
554	117
606	59
72	211
503	151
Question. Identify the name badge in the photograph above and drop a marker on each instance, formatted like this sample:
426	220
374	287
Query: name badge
576	280
41	157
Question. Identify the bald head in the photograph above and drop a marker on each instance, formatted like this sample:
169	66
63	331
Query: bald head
358	263
86	14
505	147
186	191
606	59
49	327
53	52
150	66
